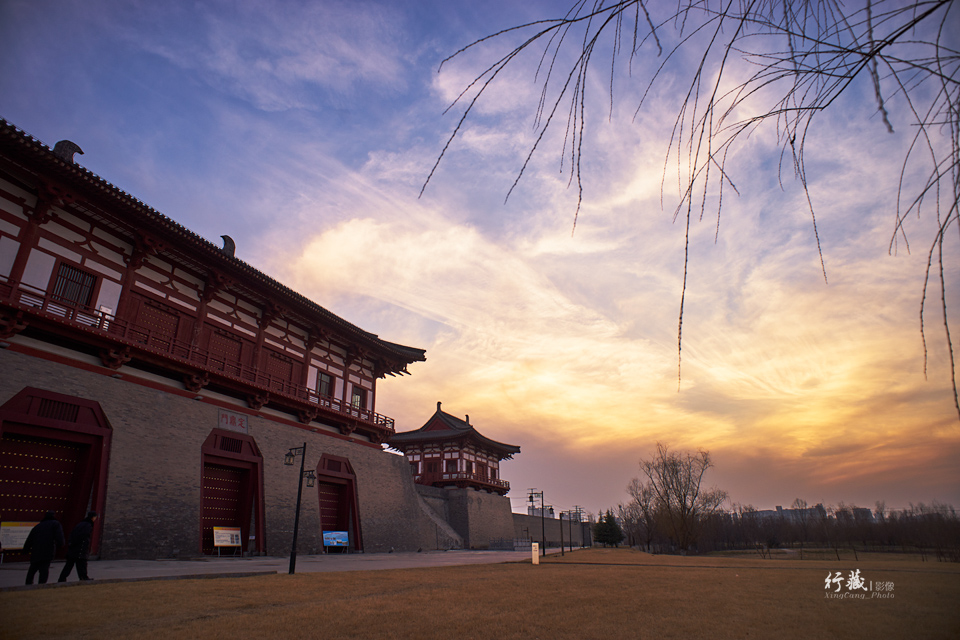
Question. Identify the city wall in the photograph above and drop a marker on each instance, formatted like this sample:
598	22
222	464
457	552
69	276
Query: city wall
153	503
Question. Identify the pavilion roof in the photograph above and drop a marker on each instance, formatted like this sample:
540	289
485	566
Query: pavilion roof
443	427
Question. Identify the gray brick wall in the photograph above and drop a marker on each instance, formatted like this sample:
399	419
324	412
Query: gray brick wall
153	487
479	517
530	526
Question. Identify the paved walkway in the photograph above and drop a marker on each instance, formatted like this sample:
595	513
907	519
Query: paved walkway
13	574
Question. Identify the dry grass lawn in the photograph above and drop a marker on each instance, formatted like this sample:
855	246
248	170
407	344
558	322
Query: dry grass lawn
594	593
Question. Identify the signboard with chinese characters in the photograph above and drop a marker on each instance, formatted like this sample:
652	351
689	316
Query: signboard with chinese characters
233	421
14	534
336	539
226	537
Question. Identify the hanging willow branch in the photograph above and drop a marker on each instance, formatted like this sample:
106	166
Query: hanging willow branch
805	53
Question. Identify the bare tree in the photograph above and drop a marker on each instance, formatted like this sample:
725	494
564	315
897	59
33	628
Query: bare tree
629	517
748	523
801	522
676	481
644	509
804	53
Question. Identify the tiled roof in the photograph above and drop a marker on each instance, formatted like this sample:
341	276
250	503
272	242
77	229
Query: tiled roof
456	428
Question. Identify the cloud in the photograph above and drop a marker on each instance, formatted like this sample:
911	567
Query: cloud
510	330
537	329
283	55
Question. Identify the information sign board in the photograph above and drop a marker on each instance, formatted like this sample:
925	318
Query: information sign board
14	534
336	539
226	537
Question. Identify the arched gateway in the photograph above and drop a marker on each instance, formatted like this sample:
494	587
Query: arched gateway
54	452
232	489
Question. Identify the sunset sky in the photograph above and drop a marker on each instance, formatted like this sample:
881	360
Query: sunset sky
305	131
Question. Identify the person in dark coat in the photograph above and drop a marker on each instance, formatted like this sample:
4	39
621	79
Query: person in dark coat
78	548
42	543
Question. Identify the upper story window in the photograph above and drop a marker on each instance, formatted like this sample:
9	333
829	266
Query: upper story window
359	398
74	286
324	384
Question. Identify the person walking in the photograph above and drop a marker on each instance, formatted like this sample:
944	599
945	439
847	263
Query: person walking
78	548
42	543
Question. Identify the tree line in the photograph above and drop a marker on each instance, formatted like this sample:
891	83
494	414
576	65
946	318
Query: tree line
670	511
932	529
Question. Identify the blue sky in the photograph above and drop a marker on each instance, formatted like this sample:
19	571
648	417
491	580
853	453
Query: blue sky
306	130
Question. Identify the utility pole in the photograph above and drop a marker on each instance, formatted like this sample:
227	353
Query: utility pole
579	511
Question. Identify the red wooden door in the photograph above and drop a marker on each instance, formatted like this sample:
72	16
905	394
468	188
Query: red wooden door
279	370
222	497
37	475
331	501
225	352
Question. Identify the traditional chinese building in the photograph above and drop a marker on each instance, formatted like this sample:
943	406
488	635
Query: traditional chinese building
155	377
450	452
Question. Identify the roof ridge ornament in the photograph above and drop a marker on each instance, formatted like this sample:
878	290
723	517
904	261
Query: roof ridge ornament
229	246
65	150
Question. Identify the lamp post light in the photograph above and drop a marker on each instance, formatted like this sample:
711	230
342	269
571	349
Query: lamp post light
561	533
288	460
543	526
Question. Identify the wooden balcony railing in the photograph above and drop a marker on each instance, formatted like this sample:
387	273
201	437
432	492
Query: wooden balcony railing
459	477
98	321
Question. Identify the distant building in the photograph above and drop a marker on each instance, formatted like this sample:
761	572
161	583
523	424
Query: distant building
809	514
854	514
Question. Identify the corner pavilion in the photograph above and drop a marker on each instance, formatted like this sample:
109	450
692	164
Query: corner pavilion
450	452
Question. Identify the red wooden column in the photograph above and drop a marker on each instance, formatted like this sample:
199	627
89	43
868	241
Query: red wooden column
268	314
355	355
315	336
144	246
215	283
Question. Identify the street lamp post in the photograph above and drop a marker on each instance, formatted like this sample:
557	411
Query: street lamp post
288	460
561	533
543	526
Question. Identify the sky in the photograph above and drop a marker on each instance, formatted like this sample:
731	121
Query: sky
306	131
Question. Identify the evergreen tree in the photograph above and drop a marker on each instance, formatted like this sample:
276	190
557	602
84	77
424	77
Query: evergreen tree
607	530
